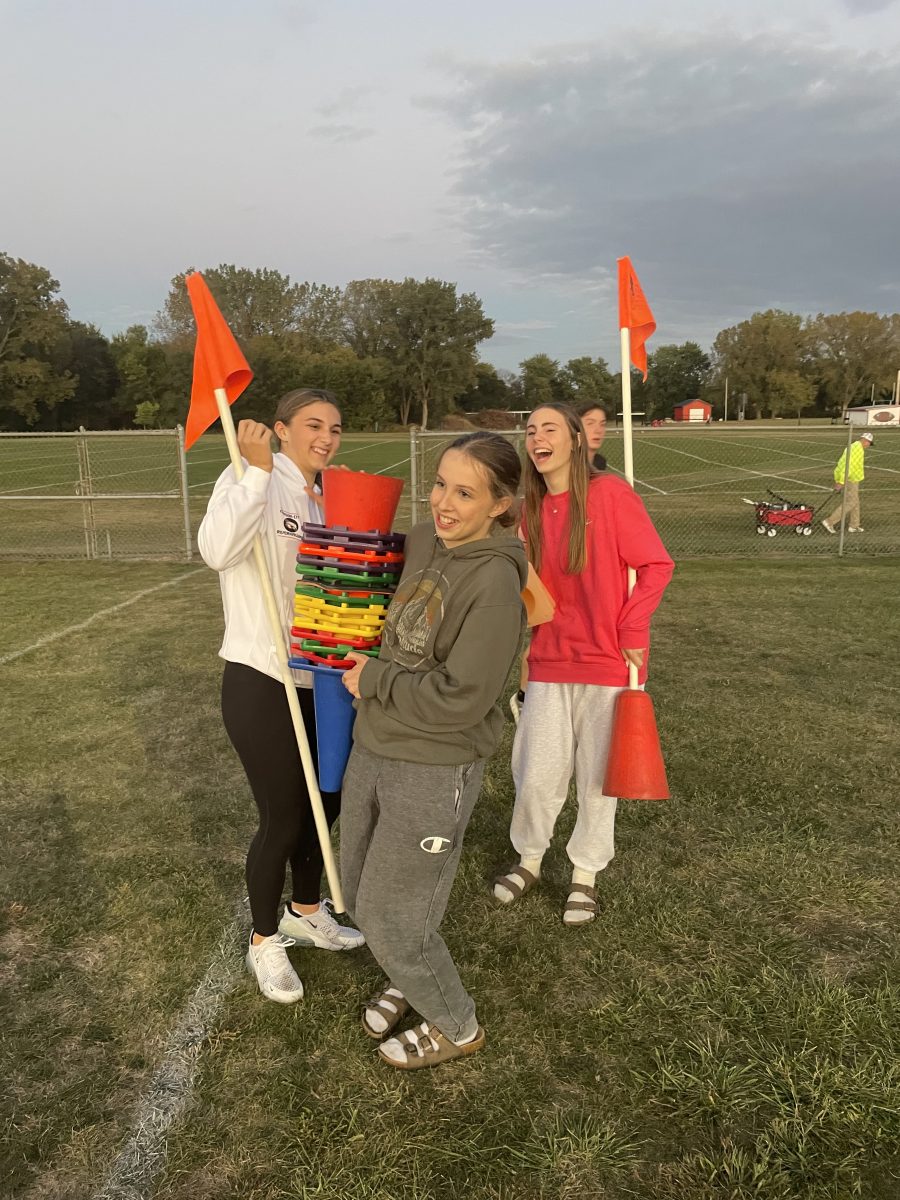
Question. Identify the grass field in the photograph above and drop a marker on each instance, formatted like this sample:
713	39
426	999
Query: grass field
727	1030
693	480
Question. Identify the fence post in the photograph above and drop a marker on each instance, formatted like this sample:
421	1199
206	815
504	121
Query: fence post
844	488
185	495
86	485
414	473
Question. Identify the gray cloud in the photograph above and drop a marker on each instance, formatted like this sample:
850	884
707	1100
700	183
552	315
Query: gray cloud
335	132
346	101
738	173
525	326
864	7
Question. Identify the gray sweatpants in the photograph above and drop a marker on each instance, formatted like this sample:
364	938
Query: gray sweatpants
564	727
402	827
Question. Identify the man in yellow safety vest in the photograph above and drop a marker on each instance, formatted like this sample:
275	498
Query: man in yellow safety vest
849	478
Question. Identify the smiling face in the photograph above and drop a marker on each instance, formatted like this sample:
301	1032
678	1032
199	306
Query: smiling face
594	422
549	443
311	438
462	503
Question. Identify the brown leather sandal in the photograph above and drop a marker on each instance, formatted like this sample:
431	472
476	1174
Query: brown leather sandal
392	1008
587	906
426	1046
517	880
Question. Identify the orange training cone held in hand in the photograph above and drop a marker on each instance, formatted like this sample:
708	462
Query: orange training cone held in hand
360	501
635	768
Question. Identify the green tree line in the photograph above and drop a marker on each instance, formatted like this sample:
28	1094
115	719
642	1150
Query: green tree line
398	352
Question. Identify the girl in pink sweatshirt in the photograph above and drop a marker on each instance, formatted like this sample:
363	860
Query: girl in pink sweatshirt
582	530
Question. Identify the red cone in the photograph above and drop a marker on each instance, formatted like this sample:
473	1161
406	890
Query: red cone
360	501
635	768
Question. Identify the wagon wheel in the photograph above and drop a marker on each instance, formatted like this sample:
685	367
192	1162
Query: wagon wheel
799	530
771	531
806	530
760	529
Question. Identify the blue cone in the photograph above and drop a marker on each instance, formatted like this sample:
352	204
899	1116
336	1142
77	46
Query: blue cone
335	715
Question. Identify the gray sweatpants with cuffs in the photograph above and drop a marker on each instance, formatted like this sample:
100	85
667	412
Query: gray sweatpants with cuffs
402	828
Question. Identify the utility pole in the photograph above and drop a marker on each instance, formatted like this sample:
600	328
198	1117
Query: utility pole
726	399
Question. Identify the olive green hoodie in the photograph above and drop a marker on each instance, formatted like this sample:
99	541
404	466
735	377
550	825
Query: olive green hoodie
453	630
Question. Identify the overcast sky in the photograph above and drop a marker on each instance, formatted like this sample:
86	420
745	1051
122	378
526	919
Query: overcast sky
517	147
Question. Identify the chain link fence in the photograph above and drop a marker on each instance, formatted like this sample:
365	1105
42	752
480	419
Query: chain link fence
126	495
95	495
696	482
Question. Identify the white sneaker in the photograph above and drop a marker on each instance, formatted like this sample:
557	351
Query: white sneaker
828	525
320	929
856	529
270	964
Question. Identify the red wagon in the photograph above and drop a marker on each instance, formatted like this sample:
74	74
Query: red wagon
780	514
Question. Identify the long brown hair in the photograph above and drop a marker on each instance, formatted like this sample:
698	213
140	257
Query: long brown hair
580	473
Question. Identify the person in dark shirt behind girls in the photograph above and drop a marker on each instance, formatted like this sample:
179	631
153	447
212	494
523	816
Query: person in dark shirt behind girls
593	418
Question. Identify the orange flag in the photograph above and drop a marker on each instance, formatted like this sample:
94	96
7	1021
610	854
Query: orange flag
634	313
218	361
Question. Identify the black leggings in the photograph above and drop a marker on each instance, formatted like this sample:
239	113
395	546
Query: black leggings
258	721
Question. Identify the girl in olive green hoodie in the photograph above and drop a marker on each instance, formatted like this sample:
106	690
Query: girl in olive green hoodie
427	719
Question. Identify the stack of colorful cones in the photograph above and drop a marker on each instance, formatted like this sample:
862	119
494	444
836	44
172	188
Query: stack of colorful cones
345	580
347	571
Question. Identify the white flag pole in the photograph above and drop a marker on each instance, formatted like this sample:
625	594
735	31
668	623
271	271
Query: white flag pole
628	454
287	678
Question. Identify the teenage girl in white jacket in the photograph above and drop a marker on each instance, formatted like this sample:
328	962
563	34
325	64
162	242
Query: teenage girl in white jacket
277	493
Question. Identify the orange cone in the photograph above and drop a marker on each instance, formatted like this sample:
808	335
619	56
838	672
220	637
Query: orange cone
635	769
360	501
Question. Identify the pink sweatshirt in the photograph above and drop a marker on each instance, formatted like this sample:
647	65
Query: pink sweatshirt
595	619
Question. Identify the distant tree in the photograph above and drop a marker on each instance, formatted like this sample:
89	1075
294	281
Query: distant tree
513	385
369	315
588	380
435	354
145	376
541	381
760	354
788	393
488	391
675	373
255	303
146	414
85	354
852	351
33	322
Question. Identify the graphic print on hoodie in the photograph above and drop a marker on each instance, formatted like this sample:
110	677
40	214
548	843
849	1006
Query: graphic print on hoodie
453	630
420	605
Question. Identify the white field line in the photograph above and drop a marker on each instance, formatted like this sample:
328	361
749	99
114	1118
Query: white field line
97	616
392	465
99	477
139	1163
870	466
642	482
693	471
790	453
747	471
367	446
707	487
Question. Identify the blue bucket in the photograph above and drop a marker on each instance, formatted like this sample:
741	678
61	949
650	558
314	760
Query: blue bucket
335	715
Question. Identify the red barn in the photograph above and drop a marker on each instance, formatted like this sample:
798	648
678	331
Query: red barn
693	410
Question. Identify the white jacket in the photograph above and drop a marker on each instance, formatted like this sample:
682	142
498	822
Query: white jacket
275	506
